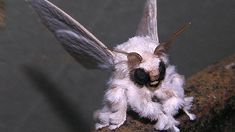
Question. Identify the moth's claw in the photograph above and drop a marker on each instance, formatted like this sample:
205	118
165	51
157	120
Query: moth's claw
112	127
117	120
192	116
99	126
174	129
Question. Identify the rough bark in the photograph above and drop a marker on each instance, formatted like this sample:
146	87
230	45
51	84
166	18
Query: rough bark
2	13
214	104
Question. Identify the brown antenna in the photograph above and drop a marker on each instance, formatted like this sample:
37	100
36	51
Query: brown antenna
163	47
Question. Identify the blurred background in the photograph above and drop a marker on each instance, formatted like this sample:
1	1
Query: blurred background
43	89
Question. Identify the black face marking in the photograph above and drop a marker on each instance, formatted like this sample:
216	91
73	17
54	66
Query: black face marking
140	76
162	71
155	99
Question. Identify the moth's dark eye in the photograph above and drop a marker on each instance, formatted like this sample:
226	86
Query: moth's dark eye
140	76
162	71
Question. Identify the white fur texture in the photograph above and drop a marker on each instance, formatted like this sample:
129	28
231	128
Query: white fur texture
123	93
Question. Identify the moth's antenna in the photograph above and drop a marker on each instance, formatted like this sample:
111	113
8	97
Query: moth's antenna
148	23
175	35
133	58
163	47
120	51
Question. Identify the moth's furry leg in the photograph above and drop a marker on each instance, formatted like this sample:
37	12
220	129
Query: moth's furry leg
116	98
172	98
166	122
171	107
153	111
114	112
141	103
187	105
102	117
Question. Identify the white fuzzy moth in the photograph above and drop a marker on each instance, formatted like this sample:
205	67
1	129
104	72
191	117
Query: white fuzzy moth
142	77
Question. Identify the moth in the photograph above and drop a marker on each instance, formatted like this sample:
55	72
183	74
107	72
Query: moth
142	77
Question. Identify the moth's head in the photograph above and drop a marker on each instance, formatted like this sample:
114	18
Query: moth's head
147	68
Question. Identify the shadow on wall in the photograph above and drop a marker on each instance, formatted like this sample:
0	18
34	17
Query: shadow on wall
61	104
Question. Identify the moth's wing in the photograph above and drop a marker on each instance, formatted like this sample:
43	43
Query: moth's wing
148	23
78	41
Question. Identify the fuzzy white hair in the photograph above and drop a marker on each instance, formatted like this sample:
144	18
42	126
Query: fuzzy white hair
123	92
142	77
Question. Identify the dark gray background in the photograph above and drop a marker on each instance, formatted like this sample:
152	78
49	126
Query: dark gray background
43	89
